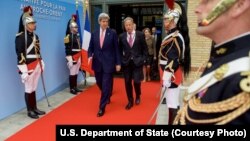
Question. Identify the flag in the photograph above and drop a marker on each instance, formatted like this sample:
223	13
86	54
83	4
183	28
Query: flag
79	25
85	46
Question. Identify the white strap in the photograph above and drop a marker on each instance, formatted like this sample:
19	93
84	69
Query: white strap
182	39
30	56
163	62
31	45
76	49
183	45
236	66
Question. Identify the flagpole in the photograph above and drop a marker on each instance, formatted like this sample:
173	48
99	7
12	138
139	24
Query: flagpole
77	4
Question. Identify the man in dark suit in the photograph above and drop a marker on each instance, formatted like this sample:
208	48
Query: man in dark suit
155	75
103	48
134	51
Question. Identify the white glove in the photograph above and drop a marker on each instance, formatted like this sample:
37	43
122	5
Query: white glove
24	69
70	61
43	65
69	58
70	64
24	77
166	78
166	83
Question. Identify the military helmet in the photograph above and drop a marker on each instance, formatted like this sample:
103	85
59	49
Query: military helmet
28	20
173	13
73	25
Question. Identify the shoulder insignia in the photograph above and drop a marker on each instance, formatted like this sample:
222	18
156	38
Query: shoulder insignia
18	34
221	51
66	39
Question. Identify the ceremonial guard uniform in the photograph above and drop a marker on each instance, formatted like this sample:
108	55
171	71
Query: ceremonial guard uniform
73	56
222	94
30	64
174	57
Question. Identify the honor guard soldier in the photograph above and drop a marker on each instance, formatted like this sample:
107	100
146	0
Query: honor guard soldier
174	56
73	56
30	63
222	94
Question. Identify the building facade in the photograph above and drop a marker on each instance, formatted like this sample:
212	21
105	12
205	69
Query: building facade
148	13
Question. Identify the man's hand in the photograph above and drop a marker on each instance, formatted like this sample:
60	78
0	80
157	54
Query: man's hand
89	59
118	68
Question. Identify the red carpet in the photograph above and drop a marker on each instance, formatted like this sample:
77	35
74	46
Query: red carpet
83	108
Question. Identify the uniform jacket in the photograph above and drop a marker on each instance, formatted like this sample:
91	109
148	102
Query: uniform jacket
225	87
22	56
72	45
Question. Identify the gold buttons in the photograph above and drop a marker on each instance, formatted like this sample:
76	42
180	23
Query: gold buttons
221	71
209	65
245	85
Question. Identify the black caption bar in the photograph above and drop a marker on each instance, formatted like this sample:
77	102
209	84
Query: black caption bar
95	132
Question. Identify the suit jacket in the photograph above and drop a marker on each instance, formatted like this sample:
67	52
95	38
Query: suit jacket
158	43
105	58
137	53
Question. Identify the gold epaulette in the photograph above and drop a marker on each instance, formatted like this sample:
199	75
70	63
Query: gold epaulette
66	39
18	34
233	107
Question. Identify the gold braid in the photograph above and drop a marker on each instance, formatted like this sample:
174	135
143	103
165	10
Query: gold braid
225	105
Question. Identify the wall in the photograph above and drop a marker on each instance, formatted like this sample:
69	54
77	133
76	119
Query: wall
51	31
200	46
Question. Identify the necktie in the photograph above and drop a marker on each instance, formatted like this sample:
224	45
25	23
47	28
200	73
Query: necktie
130	40
102	38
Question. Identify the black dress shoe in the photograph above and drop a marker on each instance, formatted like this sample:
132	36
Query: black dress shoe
78	90
32	114
137	101
73	91
100	112
129	105
39	112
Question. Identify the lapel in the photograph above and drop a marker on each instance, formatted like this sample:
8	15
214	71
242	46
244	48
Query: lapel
98	38
105	37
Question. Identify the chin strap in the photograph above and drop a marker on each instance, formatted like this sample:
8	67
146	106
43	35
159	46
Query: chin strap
219	9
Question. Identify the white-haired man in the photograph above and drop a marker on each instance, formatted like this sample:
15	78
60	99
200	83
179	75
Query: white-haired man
103	49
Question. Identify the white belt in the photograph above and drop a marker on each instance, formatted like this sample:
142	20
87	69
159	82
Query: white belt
33	56
163	62
76	49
